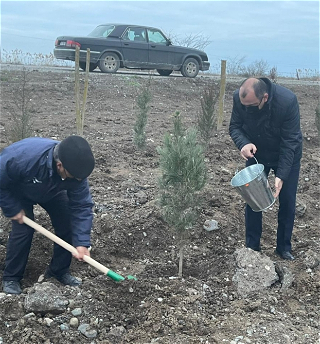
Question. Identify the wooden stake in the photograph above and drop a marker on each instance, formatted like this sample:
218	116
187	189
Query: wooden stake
222	93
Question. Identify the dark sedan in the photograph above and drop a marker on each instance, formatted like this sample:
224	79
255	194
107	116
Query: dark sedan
114	46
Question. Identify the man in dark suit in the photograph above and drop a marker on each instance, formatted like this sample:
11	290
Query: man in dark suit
265	124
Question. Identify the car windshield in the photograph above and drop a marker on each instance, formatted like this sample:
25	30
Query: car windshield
101	31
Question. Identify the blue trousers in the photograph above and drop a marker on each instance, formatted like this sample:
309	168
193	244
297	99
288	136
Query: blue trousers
20	239
286	213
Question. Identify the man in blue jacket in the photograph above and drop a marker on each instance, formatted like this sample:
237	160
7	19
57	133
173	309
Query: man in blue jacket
265	123
54	175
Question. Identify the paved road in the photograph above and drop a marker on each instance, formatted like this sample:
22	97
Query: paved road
59	69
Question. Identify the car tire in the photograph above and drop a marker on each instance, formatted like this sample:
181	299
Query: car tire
109	63
92	66
164	72
190	68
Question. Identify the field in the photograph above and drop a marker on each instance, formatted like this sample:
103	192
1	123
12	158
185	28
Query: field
129	235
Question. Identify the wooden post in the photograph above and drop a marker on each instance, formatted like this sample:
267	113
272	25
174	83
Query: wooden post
77	90
80	111
85	92
222	93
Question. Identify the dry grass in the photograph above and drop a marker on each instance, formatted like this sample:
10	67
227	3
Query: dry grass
19	57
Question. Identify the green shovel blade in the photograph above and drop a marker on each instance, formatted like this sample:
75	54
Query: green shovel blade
115	276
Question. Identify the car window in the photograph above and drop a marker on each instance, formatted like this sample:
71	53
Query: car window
135	34
156	36
102	31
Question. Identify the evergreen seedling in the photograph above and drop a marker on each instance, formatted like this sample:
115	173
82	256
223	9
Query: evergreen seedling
207	119
141	119
183	177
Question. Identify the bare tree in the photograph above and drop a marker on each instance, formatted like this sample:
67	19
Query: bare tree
257	68
236	65
192	40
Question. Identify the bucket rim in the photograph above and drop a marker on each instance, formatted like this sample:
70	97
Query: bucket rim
261	166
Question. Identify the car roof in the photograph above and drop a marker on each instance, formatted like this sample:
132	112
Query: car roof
123	26
120	28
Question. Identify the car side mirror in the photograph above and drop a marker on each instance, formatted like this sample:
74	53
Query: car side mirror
169	42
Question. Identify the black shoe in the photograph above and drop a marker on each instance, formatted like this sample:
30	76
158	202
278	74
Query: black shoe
285	255
66	279
258	249
11	287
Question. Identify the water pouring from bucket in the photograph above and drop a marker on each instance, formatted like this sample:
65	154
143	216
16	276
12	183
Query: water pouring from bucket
252	184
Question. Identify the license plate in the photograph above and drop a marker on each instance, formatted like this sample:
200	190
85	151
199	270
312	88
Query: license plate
63	43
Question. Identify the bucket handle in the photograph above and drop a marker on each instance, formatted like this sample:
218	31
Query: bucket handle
239	165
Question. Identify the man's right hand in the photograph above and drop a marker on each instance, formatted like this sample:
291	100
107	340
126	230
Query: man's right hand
19	217
81	251
248	151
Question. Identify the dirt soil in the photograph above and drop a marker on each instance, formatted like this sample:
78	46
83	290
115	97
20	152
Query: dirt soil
130	237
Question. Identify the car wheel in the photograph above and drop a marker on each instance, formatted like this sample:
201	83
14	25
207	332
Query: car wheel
109	63
190	68
92	66
164	72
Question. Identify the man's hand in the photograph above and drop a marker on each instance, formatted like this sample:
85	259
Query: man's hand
248	151
19	217
278	185
82	251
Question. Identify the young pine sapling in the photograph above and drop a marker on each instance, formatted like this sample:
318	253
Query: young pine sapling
207	118
141	119
183	177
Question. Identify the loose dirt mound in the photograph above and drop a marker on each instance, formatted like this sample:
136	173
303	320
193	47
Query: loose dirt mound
130	236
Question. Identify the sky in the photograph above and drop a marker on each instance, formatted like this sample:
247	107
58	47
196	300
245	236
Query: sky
284	34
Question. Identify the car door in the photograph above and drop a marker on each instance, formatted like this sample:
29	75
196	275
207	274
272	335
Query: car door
161	52
135	48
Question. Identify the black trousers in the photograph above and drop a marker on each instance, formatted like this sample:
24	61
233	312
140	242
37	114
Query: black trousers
286	213
20	239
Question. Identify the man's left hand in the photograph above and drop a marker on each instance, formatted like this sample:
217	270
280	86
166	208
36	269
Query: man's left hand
82	251
278	185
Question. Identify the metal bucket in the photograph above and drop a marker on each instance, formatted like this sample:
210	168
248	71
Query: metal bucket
252	184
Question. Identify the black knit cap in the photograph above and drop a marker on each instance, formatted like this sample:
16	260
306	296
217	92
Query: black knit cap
76	156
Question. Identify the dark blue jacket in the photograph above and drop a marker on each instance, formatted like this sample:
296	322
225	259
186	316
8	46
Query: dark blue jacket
27	170
275	131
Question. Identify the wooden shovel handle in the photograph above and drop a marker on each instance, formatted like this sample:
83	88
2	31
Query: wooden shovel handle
64	244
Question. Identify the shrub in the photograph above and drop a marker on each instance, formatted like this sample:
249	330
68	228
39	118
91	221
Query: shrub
273	74
21	109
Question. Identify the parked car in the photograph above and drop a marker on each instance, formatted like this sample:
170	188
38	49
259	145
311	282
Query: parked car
114	46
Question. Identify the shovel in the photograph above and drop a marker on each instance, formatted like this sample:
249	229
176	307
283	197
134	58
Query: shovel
70	248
